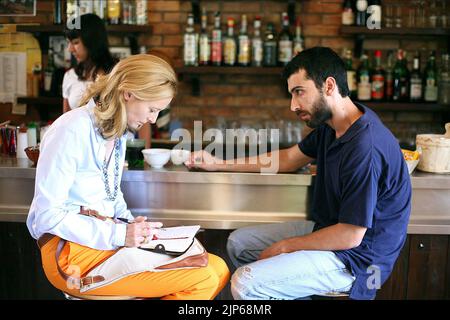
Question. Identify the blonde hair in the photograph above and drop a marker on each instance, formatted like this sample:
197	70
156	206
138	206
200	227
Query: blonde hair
146	76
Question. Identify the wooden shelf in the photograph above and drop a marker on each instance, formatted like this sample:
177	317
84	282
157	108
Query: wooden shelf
355	30
405	106
230	70
122	28
47	101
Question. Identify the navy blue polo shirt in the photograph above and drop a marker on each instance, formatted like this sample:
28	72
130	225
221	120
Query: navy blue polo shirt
362	179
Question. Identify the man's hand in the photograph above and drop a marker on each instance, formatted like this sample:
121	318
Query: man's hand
203	160
140	231
274	250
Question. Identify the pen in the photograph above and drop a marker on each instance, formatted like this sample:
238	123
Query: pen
124	220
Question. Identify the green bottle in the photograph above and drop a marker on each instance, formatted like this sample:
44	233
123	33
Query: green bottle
401	78
351	74
363	76
430	79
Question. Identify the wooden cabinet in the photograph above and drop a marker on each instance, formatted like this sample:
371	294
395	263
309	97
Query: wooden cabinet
428	270
422	270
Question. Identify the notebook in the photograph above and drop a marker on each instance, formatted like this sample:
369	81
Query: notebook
172	241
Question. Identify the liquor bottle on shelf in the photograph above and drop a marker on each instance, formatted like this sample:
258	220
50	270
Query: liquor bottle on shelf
351	74
361	12
299	42
415	83
204	41
114	11
141	12
229	45
374	14
257	43
127	12
86	6
190	42
48	74
430	79
243	44
100	8
363	79
284	42
216	41
270	47
389	78
401	78
444	80
377	78
348	15
58	8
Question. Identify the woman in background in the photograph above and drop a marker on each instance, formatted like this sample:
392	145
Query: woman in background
89	45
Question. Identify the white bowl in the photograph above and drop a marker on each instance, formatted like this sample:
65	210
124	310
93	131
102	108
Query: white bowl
178	156
155	157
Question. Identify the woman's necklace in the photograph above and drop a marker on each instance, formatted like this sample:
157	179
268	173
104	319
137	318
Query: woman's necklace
116	150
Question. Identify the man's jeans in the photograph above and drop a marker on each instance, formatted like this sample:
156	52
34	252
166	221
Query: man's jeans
286	276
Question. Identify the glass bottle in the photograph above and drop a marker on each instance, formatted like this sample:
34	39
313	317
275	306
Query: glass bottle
141	12
257	44
401	78
348	16
126	11
430	79
284	42
229	45
389	78
48	73
299	42
243	44
216	41
351	74
415	83
361	12
190	42
377	78
100	8
57	7
114	11
444	81
363	78
204	41
270	47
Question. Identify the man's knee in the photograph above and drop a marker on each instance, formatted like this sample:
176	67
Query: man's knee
242	283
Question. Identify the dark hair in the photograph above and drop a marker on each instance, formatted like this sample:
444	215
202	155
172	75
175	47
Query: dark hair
319	63
92	33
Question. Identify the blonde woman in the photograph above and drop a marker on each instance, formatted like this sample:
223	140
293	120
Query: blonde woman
77	192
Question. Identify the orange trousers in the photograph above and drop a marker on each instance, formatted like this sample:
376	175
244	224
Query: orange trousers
185	284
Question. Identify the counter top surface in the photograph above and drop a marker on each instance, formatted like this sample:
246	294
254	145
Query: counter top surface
22	168
223	200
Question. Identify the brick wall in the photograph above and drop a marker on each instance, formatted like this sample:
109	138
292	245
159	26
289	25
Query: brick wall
250	99
258	99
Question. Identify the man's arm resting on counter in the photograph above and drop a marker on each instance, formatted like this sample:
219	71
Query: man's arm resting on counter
286	160
341	236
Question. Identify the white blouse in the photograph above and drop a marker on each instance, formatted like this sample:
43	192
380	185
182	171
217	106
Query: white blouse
69	175
73	88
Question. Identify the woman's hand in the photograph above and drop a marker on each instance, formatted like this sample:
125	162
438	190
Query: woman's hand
140	231
203	160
